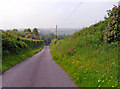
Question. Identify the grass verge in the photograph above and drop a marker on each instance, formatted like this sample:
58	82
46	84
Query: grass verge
11	60
88	66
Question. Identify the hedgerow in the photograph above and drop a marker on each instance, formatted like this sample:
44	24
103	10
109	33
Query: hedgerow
90	56
15	44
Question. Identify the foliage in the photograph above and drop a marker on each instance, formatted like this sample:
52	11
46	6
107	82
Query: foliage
12	60
15	44
15	30
27	33
113	27
85	56
19	33
35	31
49	37
14	47
27	30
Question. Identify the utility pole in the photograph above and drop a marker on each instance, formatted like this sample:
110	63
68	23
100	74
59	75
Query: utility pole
56	31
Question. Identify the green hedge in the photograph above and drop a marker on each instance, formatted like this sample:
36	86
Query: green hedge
13	44
89	59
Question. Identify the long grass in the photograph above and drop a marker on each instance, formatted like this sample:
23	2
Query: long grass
87	58
89	66
11	60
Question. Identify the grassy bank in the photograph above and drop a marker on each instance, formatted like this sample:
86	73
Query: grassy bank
90	56
88	66
11	60
16	49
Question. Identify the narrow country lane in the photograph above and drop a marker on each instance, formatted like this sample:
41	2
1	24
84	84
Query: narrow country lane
38	71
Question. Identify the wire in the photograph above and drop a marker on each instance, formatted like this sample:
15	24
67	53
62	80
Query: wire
70	14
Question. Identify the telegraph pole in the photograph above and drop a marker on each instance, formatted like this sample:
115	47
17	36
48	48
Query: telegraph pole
56	31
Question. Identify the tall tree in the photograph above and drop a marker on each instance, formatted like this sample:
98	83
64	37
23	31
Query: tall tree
15	30
29	30
35	31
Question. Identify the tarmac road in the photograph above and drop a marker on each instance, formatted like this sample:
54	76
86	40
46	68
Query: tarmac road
38	71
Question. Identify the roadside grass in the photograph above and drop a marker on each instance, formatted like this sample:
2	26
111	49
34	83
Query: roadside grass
88	66
13	59
89	57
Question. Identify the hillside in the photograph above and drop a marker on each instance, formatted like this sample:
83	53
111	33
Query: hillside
90	56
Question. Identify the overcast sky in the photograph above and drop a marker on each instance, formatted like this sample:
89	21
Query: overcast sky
47	13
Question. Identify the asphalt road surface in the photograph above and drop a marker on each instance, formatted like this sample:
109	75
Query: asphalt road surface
38	71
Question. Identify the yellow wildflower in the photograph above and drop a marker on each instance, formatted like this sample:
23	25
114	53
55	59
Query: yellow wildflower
84	77
22	55
111	77
99	80
106	78
99	86
103	81
103	75
113	63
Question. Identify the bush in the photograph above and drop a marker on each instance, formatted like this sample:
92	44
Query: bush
13	44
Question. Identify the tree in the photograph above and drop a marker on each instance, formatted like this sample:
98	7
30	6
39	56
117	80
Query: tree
35	31
27	30
15	30
112	31
52	36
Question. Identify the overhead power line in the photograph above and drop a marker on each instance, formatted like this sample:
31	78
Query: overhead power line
70	14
